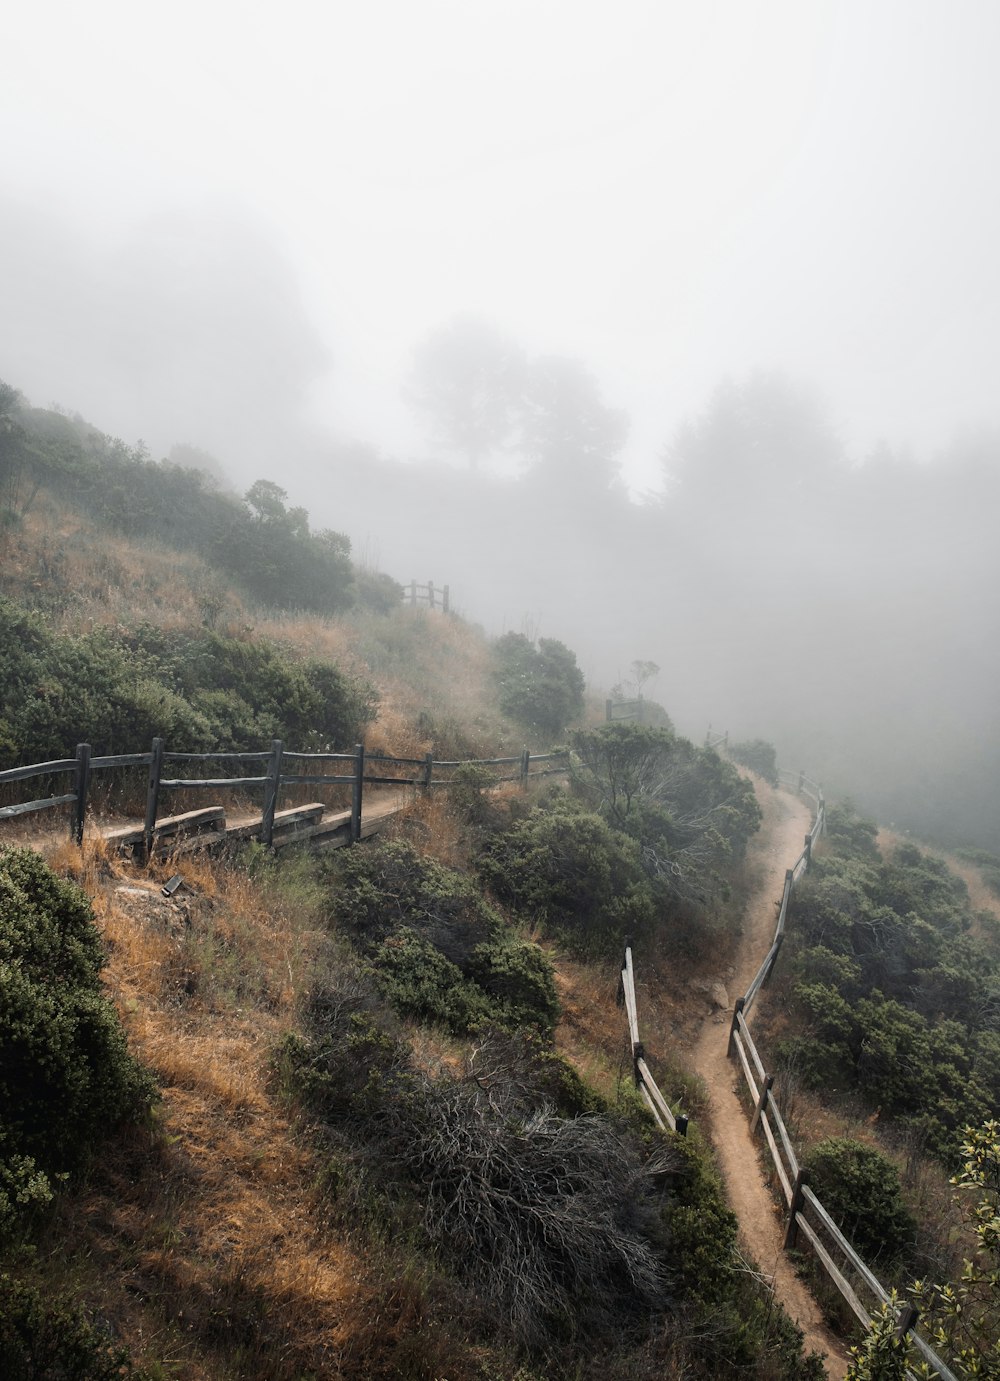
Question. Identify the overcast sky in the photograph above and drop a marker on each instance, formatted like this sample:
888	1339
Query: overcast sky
669	191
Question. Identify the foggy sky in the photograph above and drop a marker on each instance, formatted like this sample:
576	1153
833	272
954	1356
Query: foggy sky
669	192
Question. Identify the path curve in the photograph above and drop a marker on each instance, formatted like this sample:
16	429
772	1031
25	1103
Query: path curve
774	849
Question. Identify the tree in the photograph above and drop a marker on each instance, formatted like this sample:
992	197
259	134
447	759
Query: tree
567	430
467	378
541	686
757	441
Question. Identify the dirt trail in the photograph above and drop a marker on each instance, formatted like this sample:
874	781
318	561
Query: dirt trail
775	849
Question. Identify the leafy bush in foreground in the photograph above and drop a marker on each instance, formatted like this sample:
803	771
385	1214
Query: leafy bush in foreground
66	1076
46	1340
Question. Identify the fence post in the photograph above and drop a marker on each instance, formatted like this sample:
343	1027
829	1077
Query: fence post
413	594
428	771
271	788
152	797
809	850
765	1090
525	765
430	594
775	951
357	792
791	1228
735	1026
906	1322
802	781
444	600
608	704
81	783
821	815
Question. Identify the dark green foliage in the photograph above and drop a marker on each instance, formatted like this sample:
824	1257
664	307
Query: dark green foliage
733	1325
567	870
66	1076
894	996
42	1339
541	686
420	982
440	951
859	1186
376	591
849	834
689	813
197	690
759	755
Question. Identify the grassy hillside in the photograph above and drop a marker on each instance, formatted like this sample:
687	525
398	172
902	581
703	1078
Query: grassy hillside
394	1132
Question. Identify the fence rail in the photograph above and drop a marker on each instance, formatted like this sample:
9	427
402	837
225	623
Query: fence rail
656	1103
434	596
805	1214
363	770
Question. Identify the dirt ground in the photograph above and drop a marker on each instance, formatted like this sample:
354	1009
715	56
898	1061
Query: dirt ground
775	849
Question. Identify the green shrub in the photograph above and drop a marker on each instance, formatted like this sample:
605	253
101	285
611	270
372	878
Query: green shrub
567	870
441	952
66	1077
541	686
45	1339
859	1187
518	979
419	981
759	755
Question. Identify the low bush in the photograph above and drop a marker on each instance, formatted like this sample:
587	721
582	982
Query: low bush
45	1339
66	1076
440	951
566	870
859	1186
759	755
541	687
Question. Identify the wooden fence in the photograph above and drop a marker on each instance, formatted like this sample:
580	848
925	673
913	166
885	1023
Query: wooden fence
644	1081
805	1217
277	768
716	740
434	596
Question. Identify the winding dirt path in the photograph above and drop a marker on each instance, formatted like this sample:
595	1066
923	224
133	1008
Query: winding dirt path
775	848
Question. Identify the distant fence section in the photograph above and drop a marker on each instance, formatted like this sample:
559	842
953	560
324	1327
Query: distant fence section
806	1220
267	773
431	595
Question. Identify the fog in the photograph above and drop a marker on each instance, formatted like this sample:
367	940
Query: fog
717	284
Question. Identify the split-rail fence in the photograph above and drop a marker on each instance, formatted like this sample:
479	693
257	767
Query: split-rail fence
270	773
806	1220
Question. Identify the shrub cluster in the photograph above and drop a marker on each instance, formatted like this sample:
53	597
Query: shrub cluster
197	689
541	687
896	996
439	950
565	869
66	1076
258	541
759	755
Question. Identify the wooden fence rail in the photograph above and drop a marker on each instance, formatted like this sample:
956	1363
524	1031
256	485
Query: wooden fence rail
358	771
434	596
806	1218
645	1083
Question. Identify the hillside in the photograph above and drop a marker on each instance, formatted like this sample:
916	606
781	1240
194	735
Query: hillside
261	1223
374	1069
